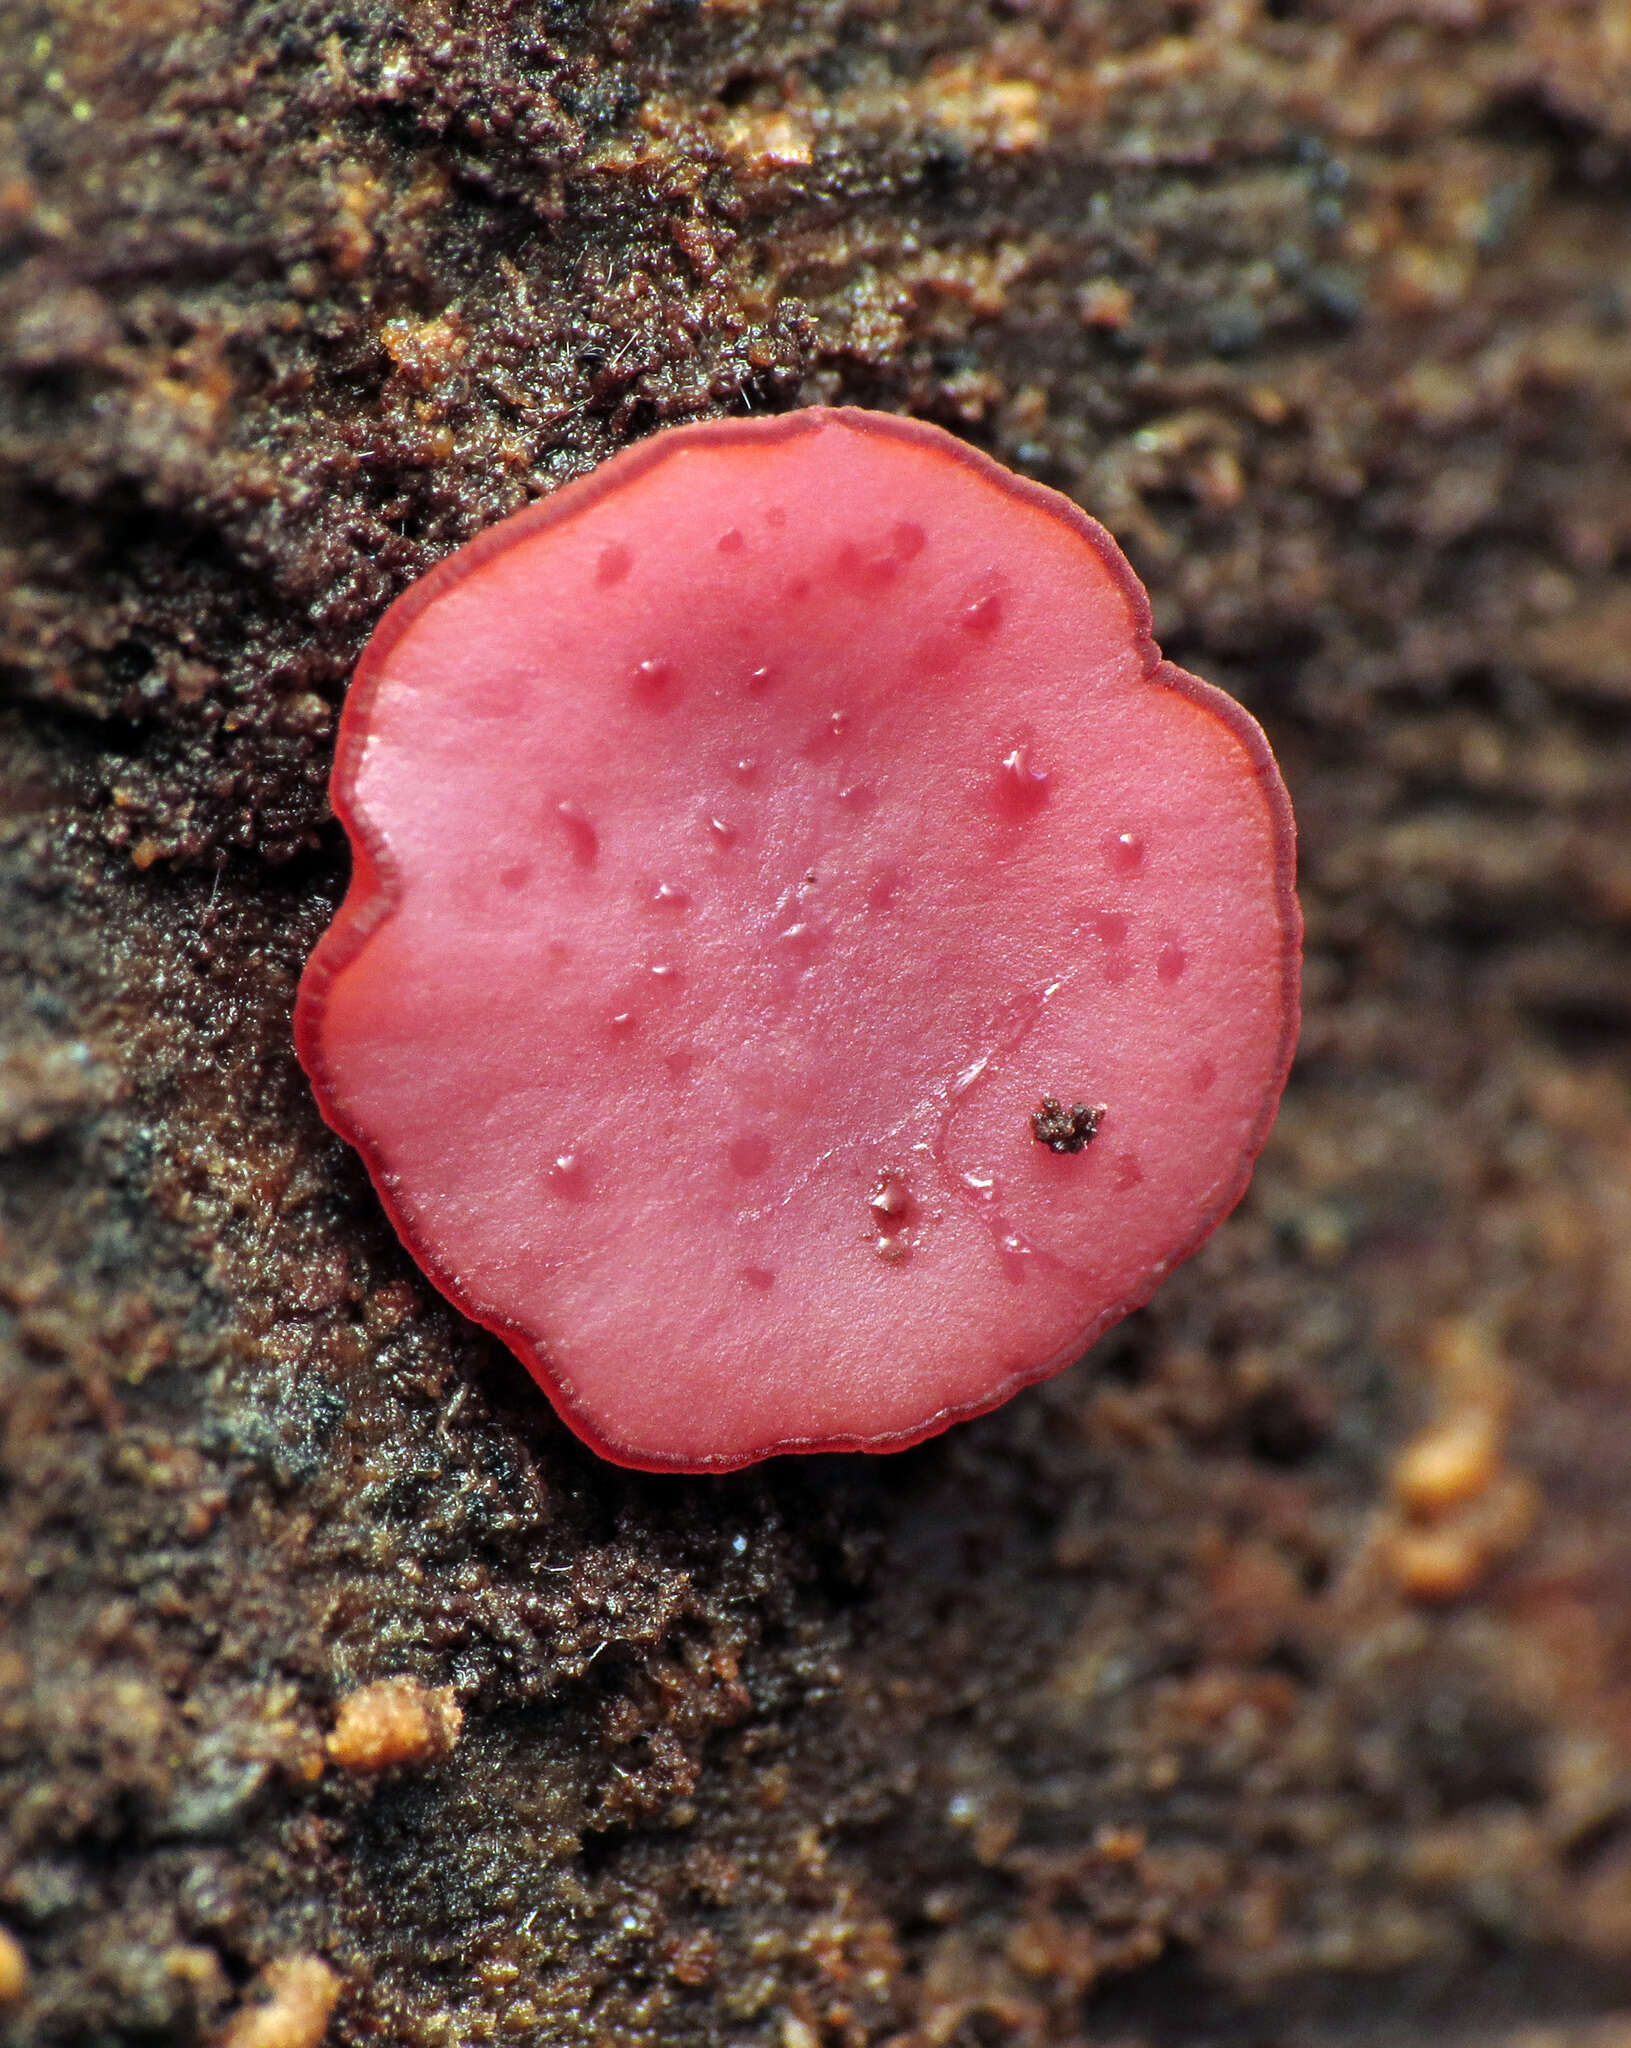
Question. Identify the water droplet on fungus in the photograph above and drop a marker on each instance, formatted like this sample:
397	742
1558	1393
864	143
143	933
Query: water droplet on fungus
1015	1252
827	734
654	684
568	1176
865	572
1021	789
583	841
1123	852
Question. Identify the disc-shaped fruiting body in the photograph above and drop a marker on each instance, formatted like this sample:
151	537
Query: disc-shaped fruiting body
809	964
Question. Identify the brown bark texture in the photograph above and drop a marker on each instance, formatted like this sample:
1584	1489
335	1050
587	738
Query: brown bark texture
1264	1678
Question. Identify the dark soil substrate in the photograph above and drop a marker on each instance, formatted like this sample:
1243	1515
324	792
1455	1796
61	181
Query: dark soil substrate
1171	1704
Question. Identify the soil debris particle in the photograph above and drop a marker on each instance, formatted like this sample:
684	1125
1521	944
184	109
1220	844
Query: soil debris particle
394	1722
300	1992
13	1968
1460	1510
1066	1130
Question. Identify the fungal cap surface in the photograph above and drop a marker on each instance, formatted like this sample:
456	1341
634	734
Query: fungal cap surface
747	840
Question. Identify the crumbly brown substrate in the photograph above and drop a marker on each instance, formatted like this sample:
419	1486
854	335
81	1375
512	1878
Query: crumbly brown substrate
1266	1676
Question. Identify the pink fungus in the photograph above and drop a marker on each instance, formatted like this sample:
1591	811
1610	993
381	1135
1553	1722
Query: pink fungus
458	978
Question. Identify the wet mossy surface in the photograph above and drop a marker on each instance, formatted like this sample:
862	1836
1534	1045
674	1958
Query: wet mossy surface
1168	1704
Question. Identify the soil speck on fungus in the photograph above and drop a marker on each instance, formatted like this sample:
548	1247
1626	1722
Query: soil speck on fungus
1066	1130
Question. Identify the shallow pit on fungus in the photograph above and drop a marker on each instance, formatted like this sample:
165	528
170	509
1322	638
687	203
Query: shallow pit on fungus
708	1080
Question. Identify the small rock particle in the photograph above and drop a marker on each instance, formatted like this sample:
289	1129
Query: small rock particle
1449	1463
302	1992
394	1721
13	1969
